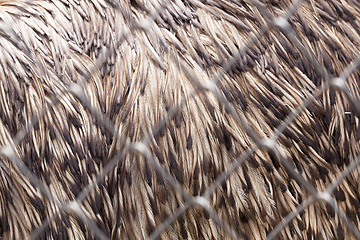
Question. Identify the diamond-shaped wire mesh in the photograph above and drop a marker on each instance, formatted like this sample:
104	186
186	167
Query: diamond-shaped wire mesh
179	119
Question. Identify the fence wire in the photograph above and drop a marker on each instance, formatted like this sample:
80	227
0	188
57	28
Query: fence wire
267	144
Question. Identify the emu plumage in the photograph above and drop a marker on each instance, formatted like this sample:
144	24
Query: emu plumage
48	45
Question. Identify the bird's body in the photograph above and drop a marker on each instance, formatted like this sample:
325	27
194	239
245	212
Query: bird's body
52	44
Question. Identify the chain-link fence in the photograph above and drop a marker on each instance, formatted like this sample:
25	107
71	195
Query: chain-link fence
269	146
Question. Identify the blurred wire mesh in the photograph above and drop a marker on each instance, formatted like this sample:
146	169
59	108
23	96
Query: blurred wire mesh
273	23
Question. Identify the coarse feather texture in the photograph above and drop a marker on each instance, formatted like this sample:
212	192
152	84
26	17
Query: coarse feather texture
47	45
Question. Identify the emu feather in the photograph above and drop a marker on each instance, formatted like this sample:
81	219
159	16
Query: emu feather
48	45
